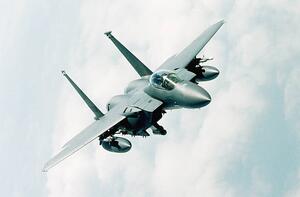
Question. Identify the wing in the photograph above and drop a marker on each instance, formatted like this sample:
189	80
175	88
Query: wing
189	53
140	101
104	123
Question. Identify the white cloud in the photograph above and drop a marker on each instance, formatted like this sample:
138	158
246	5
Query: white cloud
196	165
193	159
261	187
294	191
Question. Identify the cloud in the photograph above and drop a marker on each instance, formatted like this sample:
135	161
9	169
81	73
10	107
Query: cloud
29	53
201	147
295	191
291	99
196	165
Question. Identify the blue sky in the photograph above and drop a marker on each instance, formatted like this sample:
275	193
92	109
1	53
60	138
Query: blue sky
245	143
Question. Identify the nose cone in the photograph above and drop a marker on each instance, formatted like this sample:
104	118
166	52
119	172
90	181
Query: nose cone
201	97
215	72
193	96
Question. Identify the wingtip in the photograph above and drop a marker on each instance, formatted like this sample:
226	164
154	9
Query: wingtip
108	33
44	170
218	24
63	72
222	21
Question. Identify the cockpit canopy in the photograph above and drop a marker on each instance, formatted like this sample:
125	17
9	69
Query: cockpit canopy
164	79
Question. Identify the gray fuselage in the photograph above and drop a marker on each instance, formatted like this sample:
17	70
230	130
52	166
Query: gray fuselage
185	94
165	86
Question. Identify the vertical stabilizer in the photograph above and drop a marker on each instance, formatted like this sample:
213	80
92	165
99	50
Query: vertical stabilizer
140	68
86	99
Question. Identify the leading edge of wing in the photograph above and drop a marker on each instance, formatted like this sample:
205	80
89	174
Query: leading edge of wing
84	137
187	54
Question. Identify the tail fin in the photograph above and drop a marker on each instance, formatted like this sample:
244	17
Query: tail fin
140	68
86	99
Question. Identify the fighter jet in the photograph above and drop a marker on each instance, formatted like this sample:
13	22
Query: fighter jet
174	85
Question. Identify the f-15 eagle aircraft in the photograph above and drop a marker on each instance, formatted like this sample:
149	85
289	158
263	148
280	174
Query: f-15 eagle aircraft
175	84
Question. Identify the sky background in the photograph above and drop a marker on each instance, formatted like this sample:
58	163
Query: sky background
245	143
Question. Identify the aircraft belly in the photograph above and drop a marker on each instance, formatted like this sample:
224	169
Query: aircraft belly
142	120
141	111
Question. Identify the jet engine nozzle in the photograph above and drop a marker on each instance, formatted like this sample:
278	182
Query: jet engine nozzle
116	144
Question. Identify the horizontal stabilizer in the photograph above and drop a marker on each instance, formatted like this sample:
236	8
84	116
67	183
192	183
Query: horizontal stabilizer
86	99
140	68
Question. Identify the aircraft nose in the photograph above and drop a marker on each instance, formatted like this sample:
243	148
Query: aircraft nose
202	96
192	96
